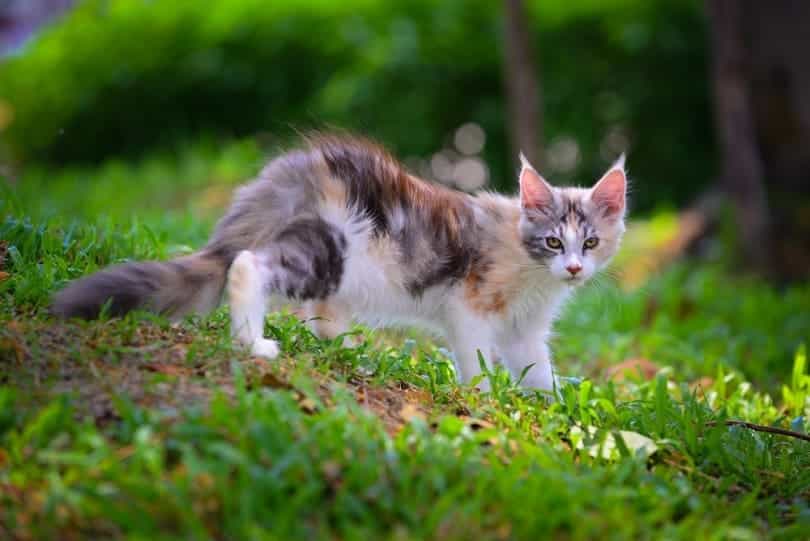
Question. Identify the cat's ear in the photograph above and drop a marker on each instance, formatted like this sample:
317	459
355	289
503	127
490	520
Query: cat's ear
535	192
610	193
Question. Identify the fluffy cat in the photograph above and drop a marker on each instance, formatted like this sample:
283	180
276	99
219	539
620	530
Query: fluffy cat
341	227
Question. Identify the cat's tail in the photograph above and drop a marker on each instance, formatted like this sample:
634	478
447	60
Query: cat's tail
190	284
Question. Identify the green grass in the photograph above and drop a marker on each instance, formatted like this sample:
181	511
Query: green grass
138	428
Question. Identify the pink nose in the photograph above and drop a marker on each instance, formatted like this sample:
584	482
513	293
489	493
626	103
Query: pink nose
574	268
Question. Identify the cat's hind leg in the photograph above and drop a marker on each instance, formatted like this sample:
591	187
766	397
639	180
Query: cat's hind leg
247	295
302	262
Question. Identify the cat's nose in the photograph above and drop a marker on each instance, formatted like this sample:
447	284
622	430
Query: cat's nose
573	268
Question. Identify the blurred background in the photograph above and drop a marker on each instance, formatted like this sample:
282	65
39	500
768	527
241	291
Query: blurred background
709	100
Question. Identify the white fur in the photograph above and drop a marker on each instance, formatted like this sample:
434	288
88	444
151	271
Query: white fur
248	304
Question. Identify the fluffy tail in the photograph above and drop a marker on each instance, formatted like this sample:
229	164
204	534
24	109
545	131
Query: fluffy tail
191	284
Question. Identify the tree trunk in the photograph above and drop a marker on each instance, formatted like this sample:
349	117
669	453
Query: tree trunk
742	168
522	87
778	43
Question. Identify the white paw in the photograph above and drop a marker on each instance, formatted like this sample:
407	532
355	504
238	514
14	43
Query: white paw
263	347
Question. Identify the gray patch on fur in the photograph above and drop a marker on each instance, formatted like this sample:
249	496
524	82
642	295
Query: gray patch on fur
566	211
175	288
306	260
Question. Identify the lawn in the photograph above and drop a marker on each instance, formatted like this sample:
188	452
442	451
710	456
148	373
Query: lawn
143	429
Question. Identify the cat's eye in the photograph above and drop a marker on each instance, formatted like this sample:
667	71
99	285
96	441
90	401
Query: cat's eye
554	243
591	243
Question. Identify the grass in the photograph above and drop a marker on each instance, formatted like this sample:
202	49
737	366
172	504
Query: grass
142	429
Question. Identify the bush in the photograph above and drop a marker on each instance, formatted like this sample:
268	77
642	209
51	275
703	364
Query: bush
118	77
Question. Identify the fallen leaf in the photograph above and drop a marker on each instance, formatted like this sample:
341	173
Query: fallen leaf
178	352
604	445
4	275
271	380
10	340
260	363
701	385
14	326
331	470
410	411
476	424
633	368
168	369
308	405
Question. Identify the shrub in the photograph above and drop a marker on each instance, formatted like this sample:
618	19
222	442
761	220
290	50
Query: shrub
118	77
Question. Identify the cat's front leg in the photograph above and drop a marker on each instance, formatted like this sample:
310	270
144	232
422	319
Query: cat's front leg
329	319
518	352
468	336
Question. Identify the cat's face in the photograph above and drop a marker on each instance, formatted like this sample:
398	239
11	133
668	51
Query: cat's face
573	232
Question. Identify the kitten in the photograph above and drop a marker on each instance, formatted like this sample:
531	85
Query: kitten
344	229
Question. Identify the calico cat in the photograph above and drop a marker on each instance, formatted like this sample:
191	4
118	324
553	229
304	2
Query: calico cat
342	228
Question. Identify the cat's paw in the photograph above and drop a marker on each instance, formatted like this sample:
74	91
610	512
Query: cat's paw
263	347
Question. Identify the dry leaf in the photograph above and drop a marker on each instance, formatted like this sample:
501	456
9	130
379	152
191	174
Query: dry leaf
606	447
4	275
168	369
12	342
701	385
308	405
178	352
260	363
476	424
269	379
409	412
633	368
331	470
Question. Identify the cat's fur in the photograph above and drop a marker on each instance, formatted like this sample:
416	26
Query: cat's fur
343	228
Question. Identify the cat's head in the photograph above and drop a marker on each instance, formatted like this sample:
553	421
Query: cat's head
573	232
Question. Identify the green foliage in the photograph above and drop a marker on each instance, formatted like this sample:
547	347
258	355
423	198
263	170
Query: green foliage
256	463
797	395
120	77
697	320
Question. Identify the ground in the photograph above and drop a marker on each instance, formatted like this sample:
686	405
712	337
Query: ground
140	428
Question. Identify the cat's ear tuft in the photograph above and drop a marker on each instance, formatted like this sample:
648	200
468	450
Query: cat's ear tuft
619	163
610	193
535	192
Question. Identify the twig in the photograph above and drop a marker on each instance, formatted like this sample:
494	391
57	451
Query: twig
763	428
692	471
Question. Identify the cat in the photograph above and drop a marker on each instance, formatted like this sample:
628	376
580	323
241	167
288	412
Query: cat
342	228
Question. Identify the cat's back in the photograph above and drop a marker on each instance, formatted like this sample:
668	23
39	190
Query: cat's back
347	178
332	169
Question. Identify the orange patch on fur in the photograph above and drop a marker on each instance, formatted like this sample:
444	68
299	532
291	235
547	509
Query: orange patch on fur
333	190
481	295
490	288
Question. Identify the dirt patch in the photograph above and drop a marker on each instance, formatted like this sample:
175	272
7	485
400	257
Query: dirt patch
98	364
167	367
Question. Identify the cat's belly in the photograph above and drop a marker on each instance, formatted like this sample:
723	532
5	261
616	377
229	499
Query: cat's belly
373	289
398	313
375	301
